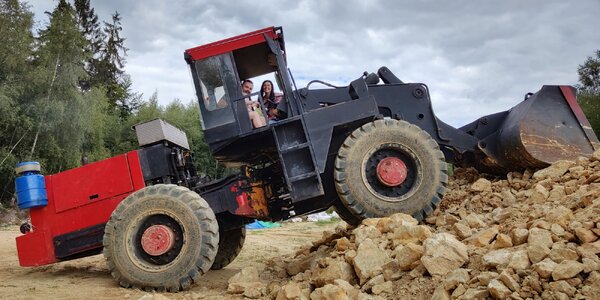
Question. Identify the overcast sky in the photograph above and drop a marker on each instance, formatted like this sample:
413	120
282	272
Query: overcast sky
477	57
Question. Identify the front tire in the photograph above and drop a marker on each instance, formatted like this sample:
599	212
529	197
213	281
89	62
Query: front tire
345	213
162	237
390	166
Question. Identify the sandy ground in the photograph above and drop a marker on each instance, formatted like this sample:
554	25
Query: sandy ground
89	277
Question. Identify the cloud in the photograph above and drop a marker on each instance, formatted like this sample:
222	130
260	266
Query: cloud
476	57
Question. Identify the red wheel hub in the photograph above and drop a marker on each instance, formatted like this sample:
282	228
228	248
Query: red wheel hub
391	171
158	240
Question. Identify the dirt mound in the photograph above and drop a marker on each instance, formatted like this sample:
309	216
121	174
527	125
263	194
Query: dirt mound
531	235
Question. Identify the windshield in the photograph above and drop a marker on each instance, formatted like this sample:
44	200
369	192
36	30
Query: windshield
217	84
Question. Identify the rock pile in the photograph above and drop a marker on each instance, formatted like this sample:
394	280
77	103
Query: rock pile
533	235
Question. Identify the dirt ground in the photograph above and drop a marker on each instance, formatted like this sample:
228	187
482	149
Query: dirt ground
89	277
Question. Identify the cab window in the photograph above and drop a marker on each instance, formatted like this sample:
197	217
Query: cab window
218	85
214	94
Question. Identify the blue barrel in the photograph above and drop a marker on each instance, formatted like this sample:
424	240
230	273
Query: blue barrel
30	186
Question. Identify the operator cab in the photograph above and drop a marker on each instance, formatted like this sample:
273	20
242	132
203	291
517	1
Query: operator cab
218	70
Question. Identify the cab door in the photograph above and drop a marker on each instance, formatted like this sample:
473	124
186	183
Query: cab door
218	90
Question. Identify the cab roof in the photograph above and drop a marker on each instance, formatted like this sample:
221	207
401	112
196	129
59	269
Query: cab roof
234	43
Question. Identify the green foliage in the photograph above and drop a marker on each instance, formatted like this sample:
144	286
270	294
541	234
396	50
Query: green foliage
15	49
61	110
590	104
589	75
588	94
64	94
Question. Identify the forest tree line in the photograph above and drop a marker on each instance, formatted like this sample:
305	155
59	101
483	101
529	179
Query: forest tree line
64	94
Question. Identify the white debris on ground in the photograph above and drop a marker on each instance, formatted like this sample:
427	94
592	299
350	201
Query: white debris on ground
316	217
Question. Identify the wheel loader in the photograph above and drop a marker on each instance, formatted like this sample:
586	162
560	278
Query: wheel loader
369	149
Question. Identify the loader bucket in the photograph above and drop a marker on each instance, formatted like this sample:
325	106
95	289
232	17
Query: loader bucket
546	127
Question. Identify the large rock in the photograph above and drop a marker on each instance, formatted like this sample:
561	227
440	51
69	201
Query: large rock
559	254
456	277
499	215
443	253
369	260
557	230
503	241
498	258
537	252
589	249
567	269
498	290
555	170
590	264
475	294
509	281
475	221
247	281
385	287
484	278
539	194
343	244
483	237
585	235
373	281
385	225
595	156
539	242
350	290
481	185
290	291
305	262
563	287
545	267
329	292
403	219
538	236
462	231
335	270
404	234
519	261
407	255
391	270
440	293
364	232
519	236
508	199
557	194
560	215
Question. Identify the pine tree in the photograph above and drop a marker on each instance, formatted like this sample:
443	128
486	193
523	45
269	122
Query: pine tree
112	59
110	71
90	28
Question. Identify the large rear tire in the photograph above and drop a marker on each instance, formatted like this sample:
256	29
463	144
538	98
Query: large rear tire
390	166
230	245
162	237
